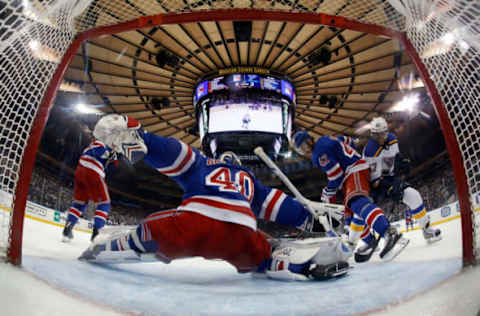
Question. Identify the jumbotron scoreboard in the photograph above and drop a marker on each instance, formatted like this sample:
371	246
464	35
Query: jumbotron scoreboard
239	111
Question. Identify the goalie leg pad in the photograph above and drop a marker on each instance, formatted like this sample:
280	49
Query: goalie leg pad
124	247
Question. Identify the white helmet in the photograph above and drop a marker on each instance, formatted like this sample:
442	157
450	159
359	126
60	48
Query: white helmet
378	125
123	134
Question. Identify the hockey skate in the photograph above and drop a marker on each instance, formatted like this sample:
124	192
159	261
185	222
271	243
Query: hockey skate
394	244
365	252
67	234
430	234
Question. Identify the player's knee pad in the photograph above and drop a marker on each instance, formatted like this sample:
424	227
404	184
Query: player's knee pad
412	198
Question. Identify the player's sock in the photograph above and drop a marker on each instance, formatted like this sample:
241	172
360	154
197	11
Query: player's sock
75	212
100	218
371	213
356	229
101	214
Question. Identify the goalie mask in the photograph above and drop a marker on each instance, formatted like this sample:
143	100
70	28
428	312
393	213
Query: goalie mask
123	134
230	157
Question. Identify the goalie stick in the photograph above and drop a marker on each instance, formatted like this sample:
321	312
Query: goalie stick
331	209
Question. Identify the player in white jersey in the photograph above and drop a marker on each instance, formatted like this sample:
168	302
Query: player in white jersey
388	168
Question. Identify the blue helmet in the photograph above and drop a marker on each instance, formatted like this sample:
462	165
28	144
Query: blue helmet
299	138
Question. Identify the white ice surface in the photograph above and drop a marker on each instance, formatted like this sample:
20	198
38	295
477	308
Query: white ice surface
53	282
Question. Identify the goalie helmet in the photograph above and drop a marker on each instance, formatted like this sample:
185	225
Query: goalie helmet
230	157
123	134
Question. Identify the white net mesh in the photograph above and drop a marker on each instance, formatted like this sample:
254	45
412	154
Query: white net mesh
32	41
34	34
446	35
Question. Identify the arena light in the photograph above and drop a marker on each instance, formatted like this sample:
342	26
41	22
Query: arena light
86	109
70	87
43	52
460	37
407	103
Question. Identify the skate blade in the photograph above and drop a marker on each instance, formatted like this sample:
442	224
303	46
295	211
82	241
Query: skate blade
341	272
434	239
396	250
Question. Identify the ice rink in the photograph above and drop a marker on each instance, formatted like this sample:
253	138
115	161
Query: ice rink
423	280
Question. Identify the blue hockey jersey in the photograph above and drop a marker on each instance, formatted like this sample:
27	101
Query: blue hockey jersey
96	157
337	158
222	191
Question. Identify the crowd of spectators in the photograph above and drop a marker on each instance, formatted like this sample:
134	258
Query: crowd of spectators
437	188
56	193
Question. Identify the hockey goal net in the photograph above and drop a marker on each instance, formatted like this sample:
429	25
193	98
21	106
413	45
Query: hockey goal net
38	39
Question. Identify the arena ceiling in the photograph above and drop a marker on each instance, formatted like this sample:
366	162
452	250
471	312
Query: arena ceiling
365	76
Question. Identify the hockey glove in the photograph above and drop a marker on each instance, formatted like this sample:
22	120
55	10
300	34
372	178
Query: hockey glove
395	190
401	165
329	195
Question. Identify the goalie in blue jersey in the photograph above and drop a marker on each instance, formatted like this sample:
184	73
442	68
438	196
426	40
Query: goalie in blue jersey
217	218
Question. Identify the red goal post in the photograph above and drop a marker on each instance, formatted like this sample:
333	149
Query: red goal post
30	83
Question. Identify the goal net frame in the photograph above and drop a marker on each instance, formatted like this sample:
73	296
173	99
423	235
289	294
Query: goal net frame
14	251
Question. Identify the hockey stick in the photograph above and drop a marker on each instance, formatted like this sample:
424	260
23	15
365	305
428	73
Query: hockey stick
310	205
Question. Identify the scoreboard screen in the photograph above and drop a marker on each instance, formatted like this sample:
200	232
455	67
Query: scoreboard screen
239	81
246	117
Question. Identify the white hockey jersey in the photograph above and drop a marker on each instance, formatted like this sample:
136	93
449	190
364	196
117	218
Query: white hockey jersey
381	158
